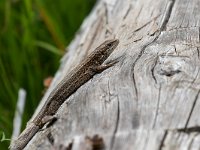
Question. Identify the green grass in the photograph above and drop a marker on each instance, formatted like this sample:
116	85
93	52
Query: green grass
33	36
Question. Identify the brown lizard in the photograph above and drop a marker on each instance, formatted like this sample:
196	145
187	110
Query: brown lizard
78	76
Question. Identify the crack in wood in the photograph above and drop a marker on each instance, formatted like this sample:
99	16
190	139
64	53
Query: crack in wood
139	39
152	70
157	108
127	12
139	28
106	12
138	57
199	38
175	49
139	12
163	140
50	138
183	17
191	142
190	114
167	15
163	26
134	83
169	73
190	129
116	126
198	52
195	77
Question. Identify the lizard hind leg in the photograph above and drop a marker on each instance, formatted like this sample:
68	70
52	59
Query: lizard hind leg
102	67
49	119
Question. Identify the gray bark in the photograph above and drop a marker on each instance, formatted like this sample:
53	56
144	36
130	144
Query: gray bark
150	99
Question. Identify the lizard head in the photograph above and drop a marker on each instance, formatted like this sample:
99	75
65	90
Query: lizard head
105	49
108	46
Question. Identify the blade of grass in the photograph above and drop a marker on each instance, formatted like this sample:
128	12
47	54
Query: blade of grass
49	47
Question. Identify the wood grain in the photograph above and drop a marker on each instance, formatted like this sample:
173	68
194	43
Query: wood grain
150	99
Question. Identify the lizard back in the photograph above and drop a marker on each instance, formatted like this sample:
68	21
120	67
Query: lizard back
77	77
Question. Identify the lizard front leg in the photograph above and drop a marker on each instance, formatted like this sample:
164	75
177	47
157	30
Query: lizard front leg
102	67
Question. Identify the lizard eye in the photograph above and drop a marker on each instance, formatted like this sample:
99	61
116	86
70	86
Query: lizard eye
109	44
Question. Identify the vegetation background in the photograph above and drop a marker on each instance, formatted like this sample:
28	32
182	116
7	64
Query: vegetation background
33	37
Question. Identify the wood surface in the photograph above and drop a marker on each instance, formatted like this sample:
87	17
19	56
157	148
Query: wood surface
150	99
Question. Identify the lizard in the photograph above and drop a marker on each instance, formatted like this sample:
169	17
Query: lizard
91	65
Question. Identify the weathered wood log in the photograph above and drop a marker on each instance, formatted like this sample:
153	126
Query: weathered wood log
150	99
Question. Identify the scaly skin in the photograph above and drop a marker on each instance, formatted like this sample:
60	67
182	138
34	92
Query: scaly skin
78	76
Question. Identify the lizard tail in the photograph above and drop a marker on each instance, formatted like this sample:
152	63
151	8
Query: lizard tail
24	137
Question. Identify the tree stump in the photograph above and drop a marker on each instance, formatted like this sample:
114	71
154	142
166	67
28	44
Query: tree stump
150	98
